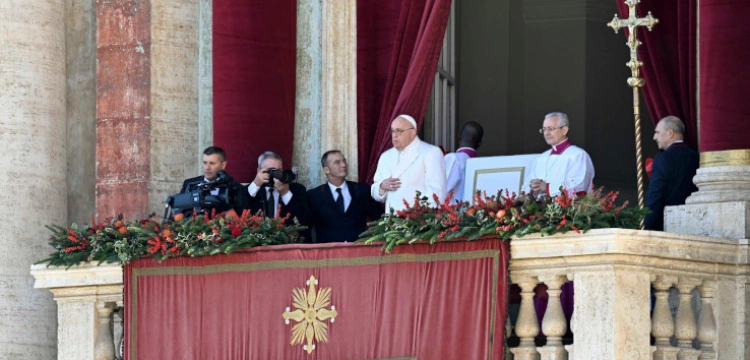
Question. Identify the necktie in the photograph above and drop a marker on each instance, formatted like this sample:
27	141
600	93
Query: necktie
270	204
340	200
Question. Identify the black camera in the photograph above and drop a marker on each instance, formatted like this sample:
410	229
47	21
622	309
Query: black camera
218	194
285	176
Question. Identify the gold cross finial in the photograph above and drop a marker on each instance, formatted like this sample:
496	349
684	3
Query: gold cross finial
635	81
633	22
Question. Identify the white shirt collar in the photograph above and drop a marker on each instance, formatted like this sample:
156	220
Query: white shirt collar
334	187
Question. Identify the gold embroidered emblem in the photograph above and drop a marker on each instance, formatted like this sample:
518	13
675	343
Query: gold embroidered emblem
310	315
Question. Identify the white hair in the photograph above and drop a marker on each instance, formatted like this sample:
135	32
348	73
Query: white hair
562	116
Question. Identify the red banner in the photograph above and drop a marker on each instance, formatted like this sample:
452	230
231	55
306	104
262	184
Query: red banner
329	301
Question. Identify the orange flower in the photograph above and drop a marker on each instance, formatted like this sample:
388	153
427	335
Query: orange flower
500	214
122	230
178	217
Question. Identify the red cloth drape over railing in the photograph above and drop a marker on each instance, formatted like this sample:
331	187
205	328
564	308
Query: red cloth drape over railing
443	301
417	42
670	59
254	77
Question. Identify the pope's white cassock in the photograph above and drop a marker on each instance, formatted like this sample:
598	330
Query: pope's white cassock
564	165
419	166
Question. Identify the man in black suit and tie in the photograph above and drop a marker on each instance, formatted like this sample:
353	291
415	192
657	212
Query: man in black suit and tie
672	171
340	208
214	161
277	198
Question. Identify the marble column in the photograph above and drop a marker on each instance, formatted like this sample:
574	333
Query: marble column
33	181
123	108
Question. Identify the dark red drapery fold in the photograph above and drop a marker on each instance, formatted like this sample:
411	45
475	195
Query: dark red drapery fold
669	55
416	45
724	81
254	76
443	301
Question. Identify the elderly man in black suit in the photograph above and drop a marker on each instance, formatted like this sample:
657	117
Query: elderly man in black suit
340	208
278	198
672	171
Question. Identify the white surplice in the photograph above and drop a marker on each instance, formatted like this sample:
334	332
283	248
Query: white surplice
572	169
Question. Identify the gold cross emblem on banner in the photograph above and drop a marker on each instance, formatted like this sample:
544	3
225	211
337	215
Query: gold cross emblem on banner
310	315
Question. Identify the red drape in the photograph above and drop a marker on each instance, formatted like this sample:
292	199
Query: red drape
254	75
417	42
724	81
446	301
669	56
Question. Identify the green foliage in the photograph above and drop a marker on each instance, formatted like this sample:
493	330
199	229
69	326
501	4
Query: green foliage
501	216
119	241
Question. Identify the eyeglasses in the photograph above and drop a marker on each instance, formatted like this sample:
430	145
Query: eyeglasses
549	129
400	131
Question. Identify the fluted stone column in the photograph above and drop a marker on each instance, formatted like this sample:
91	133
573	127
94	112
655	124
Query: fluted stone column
33	179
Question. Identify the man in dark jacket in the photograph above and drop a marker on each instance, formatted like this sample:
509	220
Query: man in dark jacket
340	208
672	171
214	163
276	197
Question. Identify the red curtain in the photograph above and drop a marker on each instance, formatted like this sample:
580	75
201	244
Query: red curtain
443	301
417	39
724	59
670	59
254	76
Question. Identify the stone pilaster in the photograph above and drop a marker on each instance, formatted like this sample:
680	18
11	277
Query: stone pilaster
307	110
174	98
339	111
33	179
80	65
205	80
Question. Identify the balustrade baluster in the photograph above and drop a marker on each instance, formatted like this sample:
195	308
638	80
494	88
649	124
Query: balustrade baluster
527	325
104	347
662	324
707	322
685	326
554	324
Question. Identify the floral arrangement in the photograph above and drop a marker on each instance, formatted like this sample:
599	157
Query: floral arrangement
502	216
118	241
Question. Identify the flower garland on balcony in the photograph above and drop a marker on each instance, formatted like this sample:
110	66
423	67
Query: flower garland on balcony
119	241
500	216
503	216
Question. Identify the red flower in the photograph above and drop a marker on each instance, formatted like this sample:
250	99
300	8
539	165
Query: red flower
236	231
157	246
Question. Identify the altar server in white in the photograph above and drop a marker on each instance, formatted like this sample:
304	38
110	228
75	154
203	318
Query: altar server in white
455	163
411	165
564	164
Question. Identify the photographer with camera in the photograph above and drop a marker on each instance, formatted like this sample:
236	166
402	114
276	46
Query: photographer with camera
274	191
214	190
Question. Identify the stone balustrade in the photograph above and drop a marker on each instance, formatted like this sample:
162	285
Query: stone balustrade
89	302
638	295
626	284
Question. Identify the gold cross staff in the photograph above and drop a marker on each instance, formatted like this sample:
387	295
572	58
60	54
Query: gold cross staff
635	81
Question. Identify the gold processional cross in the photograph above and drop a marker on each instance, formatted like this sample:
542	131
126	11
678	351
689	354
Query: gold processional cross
635	81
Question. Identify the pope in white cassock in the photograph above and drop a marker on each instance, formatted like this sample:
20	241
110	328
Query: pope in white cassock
411	165
564	164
